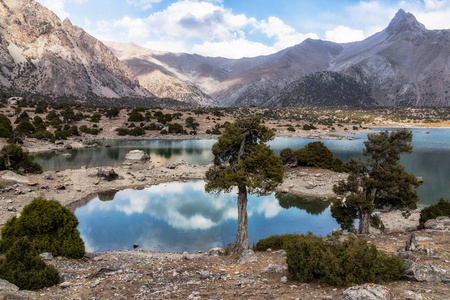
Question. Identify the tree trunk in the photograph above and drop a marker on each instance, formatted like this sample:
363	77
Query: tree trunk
364	222
242	240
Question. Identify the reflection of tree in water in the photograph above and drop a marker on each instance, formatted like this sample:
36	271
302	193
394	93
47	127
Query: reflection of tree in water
107	196
167	152
311	206
113	153
43	156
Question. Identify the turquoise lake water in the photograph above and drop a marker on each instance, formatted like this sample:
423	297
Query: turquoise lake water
180	216
177	217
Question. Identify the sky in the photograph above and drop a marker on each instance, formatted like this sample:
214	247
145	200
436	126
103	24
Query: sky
240	28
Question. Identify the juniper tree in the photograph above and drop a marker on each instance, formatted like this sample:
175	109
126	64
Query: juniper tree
380	181
243	160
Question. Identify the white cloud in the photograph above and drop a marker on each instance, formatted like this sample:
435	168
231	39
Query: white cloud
144	4
57	6
232	49
435	4
343	34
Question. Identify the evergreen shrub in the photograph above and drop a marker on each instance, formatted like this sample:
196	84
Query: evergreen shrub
442	208
23	267
49	226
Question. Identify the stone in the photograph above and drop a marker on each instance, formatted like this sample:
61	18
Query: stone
107	172
411	243
309	185
185	255
139	177
284	279
65	284
280	253
11	176
274	268
423	272
410	295
6	286
135	245
67	155
217	251
368	291
137	156
46	255
11	208
247	256
68	146
204	274
60	187
440	223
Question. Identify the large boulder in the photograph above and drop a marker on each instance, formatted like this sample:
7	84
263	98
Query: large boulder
423	272
217	251
107	172
247	256
368	291
440	223
6	286
137	156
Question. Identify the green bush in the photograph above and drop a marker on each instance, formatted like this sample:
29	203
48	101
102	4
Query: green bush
23	267
136	116
176	128
13	158
442	208
5	127
49	226
341	263
316	154
277	242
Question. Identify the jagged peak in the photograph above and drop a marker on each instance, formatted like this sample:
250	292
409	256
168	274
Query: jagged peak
404	21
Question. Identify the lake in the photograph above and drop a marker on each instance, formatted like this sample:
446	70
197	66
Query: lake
180	216
430	158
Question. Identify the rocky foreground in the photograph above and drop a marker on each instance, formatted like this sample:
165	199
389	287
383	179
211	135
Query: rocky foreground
262	275
153	275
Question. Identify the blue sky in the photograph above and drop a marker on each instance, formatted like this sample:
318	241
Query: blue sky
238	28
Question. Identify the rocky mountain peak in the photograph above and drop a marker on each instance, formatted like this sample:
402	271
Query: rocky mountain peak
403	22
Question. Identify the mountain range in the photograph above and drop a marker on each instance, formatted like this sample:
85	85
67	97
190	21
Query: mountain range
405	64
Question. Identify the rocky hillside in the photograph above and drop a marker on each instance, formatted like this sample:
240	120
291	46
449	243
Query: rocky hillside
39	54
405	64
322	89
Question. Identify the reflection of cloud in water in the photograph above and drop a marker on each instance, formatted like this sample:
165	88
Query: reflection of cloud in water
185	206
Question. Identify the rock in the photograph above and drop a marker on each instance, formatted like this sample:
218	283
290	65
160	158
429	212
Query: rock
217	251
284	279
280	253
139	177
309	185
423	272
65	284
7	286
11	176
247	256
367	291
440	223
11	208
135	245
48	176
107	172
204	274
411	242
274	268
137	156
46	255
60	187
410	295
67	155
68	146
185	255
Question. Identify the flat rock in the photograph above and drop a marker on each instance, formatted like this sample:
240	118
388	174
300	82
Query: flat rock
423	272
11	176
7	286
440	223
367	291
136	155
247	256
274	268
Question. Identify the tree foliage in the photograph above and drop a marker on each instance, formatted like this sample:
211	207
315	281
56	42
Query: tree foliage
49	226
13	158
380	181
6	129
243	160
